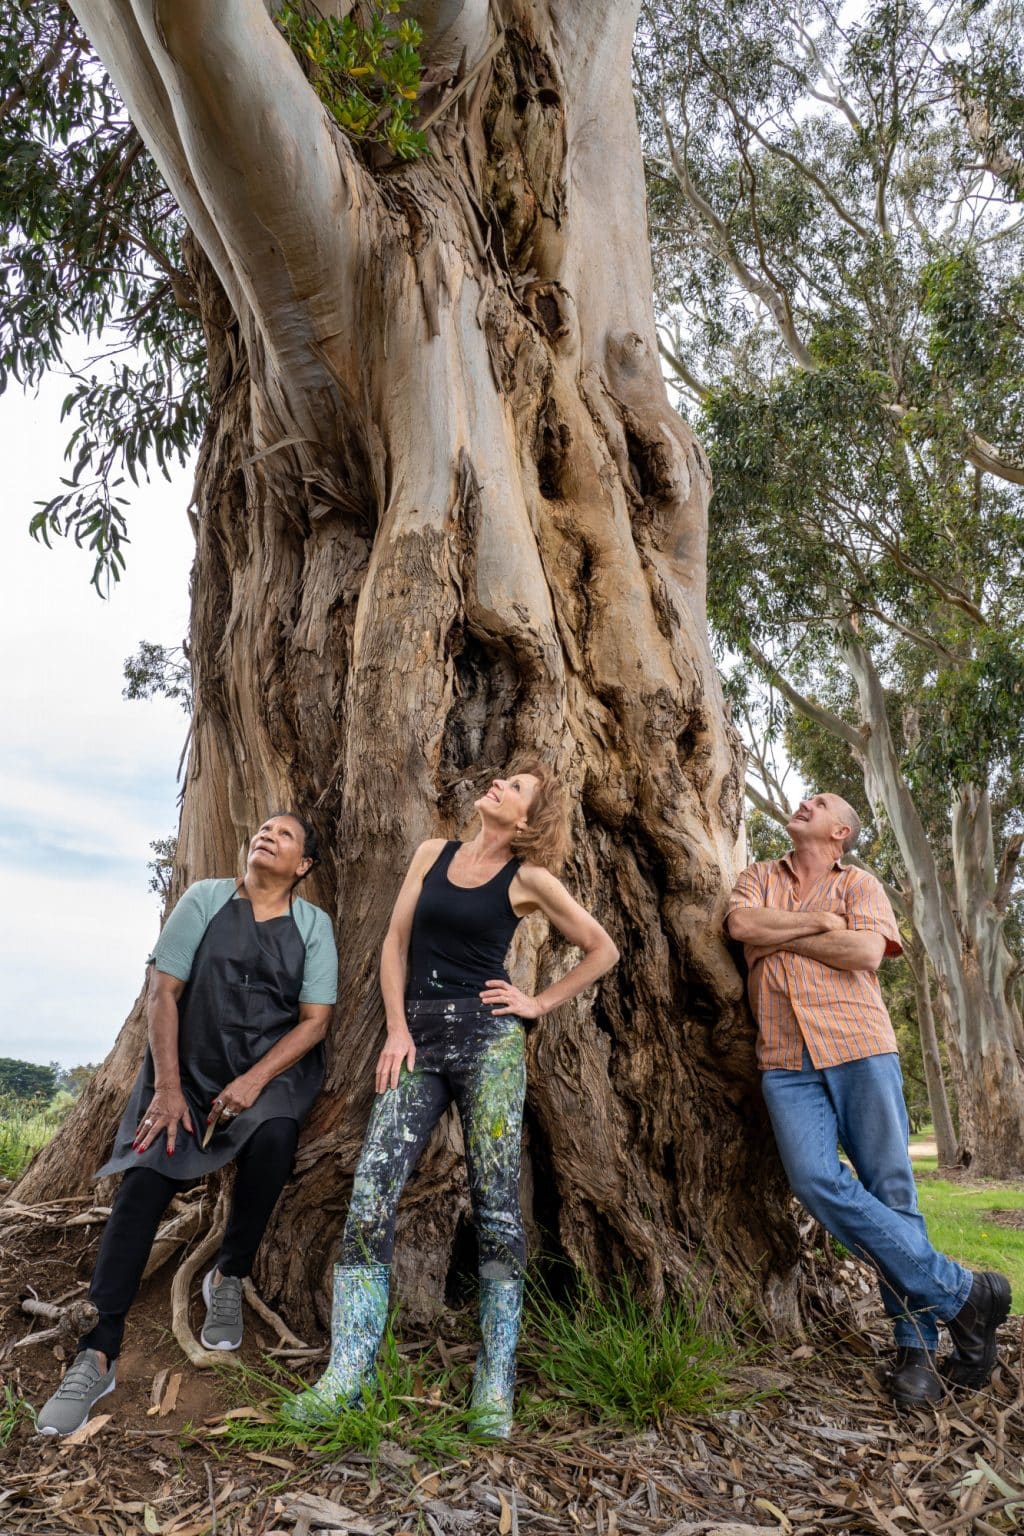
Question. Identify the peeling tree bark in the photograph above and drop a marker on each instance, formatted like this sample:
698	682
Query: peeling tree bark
445	512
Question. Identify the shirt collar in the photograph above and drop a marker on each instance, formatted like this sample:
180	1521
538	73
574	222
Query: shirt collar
786	862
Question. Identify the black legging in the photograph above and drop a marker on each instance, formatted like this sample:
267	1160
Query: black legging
264	1164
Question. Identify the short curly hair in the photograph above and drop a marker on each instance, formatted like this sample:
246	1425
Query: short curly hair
545	839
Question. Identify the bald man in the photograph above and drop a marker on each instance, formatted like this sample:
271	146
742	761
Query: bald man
814	932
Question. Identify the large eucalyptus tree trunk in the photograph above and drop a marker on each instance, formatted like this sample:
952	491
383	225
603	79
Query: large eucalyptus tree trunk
444	512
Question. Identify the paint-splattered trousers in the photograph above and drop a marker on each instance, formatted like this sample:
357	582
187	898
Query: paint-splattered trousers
465	1053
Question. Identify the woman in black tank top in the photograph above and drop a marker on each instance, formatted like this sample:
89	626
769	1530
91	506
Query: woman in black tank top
454	1032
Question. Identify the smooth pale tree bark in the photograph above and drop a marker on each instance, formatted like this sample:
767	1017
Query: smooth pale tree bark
444	512
959	923
938	1101
963	938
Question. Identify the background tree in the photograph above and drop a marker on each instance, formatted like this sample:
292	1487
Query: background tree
26	1079
444	511
844	276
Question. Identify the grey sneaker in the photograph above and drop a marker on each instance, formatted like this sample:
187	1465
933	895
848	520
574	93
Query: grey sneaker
83	1386
223	1326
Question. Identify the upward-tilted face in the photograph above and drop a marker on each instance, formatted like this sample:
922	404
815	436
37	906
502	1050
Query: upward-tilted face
278	848
818	819
507	803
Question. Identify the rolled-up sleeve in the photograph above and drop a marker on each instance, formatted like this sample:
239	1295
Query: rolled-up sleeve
180	936
320	974
868	911
748	890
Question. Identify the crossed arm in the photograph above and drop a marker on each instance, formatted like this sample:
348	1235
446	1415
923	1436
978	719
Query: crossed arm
821	936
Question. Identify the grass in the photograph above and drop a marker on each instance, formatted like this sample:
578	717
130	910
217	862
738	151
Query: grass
12	1410
25	1126
959	1224
412	1405
614	1359
610	1358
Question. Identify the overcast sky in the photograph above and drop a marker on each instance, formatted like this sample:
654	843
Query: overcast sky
87	780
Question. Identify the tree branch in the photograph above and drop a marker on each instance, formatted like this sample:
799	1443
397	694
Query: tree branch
1008	871
775	302
679	368
834	724
281	186
997	159
980	453
113	30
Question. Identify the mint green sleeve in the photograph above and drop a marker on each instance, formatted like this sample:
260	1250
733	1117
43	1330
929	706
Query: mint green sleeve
179	938
320	976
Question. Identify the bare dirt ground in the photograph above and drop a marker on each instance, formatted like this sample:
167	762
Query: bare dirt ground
822	1452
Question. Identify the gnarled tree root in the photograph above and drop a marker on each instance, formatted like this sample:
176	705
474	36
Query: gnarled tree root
202	1359
278	1324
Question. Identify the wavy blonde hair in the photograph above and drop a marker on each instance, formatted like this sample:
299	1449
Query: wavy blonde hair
545	839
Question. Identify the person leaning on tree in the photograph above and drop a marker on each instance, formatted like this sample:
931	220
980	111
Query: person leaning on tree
814	932
242	982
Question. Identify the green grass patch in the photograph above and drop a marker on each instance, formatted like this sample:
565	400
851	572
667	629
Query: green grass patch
610	1358
618	1361
414	1404
25	1126
13	1409
960	1224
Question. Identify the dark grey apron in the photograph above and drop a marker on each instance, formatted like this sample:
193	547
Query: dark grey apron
242	996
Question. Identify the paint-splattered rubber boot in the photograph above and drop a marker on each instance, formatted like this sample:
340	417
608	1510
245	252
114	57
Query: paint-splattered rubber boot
359	1310
501	1306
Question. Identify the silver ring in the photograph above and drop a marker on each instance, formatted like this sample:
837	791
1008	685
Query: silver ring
147	1122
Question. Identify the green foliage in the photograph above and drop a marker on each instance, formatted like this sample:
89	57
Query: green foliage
159	671
161	866
765	838
91	251
838	250
367	74
74	1080
618	1361
27	1080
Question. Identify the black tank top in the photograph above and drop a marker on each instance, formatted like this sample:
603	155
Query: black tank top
459	936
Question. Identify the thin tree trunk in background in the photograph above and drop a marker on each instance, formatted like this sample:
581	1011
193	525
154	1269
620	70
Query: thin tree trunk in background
445	513
938	1101
965	945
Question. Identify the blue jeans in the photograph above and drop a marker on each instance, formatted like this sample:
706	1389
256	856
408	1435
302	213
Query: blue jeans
860	1105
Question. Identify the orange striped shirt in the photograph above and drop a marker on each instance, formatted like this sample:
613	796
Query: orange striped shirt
838	1015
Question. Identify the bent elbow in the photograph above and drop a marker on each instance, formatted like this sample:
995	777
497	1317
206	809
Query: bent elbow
612	955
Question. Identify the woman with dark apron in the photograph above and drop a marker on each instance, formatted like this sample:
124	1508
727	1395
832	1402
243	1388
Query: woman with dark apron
454	1032
242	982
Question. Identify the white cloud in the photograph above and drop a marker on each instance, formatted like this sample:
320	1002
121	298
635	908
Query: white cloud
72	965
87	780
